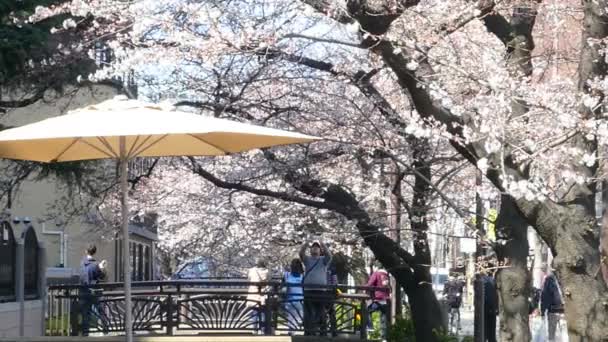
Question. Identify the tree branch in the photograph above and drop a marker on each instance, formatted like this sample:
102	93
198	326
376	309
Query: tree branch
199	170
24	102
374	17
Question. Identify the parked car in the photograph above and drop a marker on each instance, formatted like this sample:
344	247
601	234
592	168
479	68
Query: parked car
196	269
203	269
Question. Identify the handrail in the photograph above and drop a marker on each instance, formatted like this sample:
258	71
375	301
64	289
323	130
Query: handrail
212	305
218	282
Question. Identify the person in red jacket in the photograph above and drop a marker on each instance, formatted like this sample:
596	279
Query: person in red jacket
380	299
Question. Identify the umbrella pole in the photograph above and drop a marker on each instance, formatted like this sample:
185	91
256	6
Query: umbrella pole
125	238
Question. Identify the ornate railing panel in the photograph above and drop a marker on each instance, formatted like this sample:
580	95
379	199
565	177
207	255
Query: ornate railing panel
219	313
186	307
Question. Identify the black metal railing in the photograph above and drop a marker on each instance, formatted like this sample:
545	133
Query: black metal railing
210	306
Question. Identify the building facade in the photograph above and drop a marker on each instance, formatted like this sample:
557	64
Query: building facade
33	213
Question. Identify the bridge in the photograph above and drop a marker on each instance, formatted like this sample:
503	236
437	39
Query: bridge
218	307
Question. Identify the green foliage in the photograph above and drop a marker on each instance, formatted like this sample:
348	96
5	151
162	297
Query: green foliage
376	332
24	7
22	42
444	336
57	325
402	331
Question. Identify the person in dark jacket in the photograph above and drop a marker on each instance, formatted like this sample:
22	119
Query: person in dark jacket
91	273
551	301
490	304
453	290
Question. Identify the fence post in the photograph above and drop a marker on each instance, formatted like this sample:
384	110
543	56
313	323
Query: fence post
20	283
364	316
169	309
42	290
74	312
333	322
268	314
388	322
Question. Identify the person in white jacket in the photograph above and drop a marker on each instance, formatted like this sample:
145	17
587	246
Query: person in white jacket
255	296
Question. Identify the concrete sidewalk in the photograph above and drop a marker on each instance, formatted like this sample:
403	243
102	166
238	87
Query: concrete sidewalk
536	327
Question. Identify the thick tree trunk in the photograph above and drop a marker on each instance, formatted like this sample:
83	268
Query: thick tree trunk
413	277
569	230
426	311
513	278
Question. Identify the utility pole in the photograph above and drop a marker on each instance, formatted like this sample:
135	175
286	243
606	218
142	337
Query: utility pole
478	284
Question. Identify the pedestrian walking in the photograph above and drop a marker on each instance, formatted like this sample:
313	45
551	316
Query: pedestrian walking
551	303
453	290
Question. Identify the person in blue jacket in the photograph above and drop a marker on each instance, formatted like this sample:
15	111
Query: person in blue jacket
91	273
294	294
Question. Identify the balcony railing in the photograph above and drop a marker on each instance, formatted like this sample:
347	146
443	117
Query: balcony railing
185	307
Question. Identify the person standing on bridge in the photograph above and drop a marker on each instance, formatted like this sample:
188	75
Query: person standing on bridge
315	296
294	294
255	294
380	299
91	273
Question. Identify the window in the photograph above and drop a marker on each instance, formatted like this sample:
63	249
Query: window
31	263
119	275
140	258
133	255
147	263
7	262
140	262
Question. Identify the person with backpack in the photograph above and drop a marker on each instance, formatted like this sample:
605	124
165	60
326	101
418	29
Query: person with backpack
380	299
315	296
294	294
91	273
551	301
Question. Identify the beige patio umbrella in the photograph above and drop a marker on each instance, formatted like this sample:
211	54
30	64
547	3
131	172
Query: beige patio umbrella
124	129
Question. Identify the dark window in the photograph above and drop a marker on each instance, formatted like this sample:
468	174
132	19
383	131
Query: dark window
31	263
133	256
140	259
147	264
7	262
140	262
120	262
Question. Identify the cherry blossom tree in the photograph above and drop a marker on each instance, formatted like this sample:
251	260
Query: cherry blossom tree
397	80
